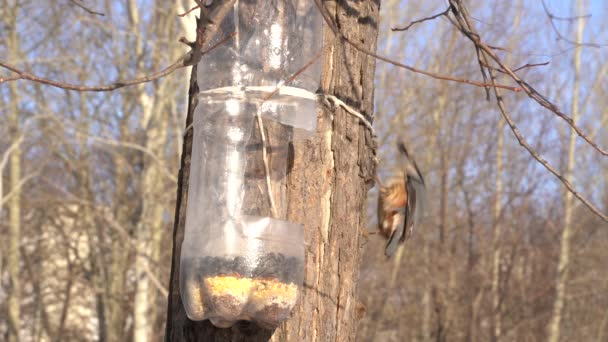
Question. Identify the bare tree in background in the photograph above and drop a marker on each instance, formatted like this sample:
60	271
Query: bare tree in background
13	256
525	252
567	230
102	170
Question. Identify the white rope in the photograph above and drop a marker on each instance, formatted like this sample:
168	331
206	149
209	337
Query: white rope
337	102
289	91
280	90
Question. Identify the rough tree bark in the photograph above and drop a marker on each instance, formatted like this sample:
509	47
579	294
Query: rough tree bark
327	189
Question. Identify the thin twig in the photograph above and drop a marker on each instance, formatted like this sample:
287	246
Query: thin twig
17	187
180	63
86	9
113	86
9	79
530	65
572	18
553	17
422	20
299	71
188	11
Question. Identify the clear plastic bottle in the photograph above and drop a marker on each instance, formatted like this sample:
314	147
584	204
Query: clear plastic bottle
241	258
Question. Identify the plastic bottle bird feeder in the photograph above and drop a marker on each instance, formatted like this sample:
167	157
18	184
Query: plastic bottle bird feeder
241	259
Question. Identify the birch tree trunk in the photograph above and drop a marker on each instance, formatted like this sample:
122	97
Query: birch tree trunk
564	255
14	203
497	210
155	122
327	189
14	223
496	333
149	184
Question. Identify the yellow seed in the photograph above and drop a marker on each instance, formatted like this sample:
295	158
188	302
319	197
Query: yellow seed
229	285
260	291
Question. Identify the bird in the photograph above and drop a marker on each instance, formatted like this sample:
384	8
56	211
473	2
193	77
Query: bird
400	201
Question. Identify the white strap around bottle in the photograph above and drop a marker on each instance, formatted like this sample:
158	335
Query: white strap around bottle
281	90
291	91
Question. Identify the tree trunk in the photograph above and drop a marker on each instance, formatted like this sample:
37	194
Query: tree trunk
327	189
496	317
564	255
14	224
13	258
155	121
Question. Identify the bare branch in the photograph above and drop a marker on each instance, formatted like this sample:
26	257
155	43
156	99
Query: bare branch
528	89
541	99
572	18
525	66
8	151
106	215
17	142
111	142
530	65
463	21
17	188
422	20
113	86
188	11
537	156
213	15
137	147
9	79
336	31
188	59
487	51
553	17
88	10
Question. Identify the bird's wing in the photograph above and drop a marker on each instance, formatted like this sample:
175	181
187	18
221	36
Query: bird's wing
420	191
398	232
410	211
380	210
415	205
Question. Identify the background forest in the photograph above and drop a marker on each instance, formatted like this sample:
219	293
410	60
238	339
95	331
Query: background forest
88	179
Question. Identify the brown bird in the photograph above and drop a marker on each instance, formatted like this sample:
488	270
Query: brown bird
400	202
